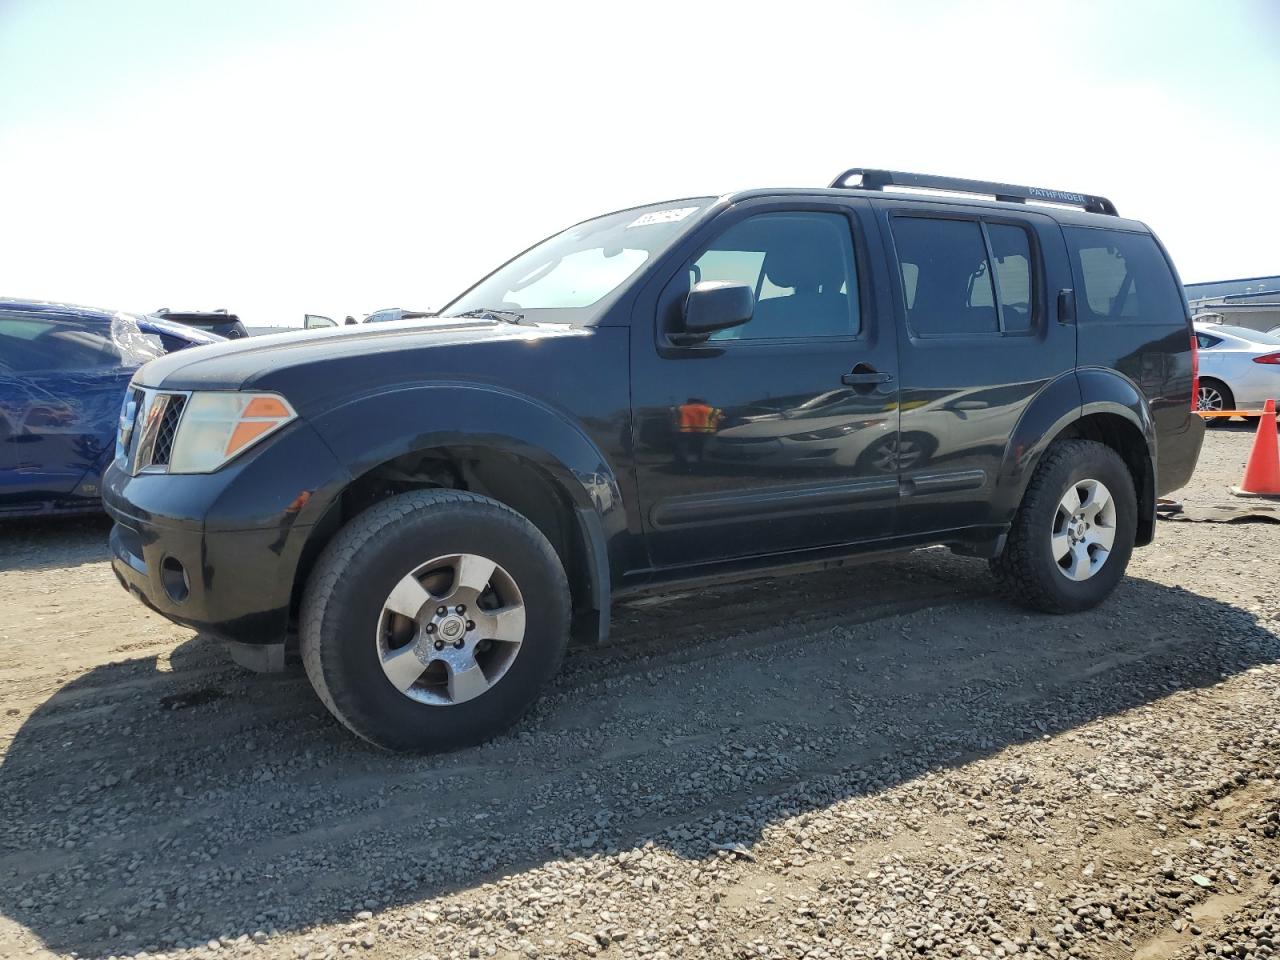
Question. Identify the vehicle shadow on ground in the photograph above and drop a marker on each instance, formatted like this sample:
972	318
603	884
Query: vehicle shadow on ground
39	543
155	803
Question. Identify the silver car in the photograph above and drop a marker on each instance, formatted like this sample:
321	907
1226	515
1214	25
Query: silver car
1239	368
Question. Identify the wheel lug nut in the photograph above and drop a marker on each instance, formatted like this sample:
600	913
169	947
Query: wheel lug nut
459	644
471	624
460	609
430	628
441	611
439	644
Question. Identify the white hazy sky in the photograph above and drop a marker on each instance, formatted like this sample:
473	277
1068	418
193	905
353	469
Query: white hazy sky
337	157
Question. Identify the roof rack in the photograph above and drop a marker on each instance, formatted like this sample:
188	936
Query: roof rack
1011	193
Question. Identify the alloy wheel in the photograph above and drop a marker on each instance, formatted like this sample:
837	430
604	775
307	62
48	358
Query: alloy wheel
1084	528
1209	399
897	453
450	629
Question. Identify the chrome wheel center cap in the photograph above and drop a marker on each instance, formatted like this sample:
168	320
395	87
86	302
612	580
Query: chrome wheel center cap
452	628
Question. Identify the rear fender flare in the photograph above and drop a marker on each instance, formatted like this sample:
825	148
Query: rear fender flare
1068	399
1051	411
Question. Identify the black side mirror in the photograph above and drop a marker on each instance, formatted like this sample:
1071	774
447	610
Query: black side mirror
715	305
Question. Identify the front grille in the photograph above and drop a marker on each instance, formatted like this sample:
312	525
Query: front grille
159	415
167	430
133	407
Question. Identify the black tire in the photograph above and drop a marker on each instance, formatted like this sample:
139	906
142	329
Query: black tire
343	602
890	453
1026	569
1228	400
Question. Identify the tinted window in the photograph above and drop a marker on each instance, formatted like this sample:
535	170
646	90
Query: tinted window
1124	276
1011	248
168	343
801	268
30	345
1204	341
945	276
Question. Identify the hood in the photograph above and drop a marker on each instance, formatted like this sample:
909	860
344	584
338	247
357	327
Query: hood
385	351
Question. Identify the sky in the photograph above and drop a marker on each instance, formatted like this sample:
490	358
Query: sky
339	157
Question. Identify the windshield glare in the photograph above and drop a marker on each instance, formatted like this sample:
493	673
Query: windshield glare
571	273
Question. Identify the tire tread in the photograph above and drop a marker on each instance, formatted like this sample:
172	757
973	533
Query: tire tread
1015	567
361	533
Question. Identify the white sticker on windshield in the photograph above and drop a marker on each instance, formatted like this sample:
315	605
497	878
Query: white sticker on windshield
661	216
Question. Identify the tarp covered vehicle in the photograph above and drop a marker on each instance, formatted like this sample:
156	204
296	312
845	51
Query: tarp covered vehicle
63	374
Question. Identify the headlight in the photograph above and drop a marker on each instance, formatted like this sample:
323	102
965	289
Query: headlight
828	433
218	426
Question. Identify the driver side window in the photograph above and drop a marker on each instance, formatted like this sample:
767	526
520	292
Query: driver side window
801	268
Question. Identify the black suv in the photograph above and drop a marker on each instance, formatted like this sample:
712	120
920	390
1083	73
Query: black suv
672	393
213	321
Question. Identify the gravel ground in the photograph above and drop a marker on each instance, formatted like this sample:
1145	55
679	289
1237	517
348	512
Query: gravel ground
881	761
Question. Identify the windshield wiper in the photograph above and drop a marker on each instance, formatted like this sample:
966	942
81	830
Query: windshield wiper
504	316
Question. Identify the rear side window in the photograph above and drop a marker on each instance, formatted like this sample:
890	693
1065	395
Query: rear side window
1204	341
964	276
1124	277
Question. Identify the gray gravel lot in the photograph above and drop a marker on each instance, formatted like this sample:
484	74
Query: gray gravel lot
878	761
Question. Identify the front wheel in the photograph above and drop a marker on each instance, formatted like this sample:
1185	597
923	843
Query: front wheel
1073	533
433	620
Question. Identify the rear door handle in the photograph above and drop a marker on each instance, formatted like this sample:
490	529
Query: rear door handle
1066	306
865	379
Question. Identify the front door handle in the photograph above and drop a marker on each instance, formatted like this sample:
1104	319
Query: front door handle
869	379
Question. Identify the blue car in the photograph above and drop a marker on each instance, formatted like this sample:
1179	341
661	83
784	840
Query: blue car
63	373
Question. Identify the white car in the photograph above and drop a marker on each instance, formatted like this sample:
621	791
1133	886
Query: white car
1239	367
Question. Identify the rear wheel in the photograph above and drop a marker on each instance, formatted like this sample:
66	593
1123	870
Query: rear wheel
433	619
1073	534
1214	395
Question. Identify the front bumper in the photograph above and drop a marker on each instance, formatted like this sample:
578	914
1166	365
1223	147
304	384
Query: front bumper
237	586
221	552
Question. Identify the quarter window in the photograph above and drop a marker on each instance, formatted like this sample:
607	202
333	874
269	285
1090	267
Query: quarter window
1124	275
948	280
1011	250
801	268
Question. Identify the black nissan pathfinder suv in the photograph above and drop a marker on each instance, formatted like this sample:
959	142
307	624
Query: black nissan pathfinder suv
706	387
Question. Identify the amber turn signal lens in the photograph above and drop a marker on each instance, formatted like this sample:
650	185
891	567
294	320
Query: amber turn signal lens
266	407
246	432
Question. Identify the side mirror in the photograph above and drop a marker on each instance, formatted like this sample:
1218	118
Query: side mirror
715	305
311	321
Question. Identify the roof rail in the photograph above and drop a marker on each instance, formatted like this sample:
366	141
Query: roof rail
879	179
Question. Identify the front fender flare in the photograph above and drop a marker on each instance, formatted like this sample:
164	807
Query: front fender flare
374	428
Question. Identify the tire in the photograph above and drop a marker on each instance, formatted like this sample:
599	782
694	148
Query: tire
896	452
1027	569
1219	395
348	631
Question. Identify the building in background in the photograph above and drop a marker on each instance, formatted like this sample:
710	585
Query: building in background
1252	302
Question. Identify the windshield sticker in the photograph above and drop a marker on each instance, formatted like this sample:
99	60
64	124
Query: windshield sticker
661	216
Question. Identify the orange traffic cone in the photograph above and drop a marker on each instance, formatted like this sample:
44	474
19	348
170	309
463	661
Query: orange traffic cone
1262	472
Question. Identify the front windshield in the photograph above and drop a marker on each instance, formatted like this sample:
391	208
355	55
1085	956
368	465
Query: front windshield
571	273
